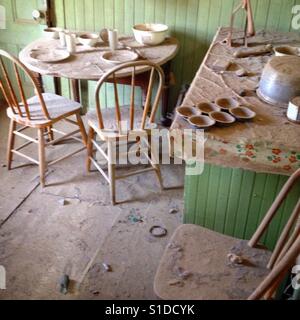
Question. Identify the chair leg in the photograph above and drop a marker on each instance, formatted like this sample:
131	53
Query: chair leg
90	148
112	182
11	143
82	129
50	133
156	166
111	174
159	176
42	158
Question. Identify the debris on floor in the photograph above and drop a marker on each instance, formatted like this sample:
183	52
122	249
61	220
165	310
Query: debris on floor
235	259
135	217
107	267
158	231
173	211
64	284
63	202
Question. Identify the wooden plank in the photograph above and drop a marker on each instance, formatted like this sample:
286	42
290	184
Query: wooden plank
246	189
234	201
234	197
190	44
213	189
255	204
139	11
149	11
274	15
89	15
160	11
261	14
222	204
285	18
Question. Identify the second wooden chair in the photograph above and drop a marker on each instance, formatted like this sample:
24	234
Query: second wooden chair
113	125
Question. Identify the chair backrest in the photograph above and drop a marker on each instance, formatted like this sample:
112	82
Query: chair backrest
10	94
287	248
133	69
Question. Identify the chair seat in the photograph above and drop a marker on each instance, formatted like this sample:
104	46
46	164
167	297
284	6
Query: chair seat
58	108
109	118
195	266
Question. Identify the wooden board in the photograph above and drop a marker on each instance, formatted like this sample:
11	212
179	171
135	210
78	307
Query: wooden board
234	201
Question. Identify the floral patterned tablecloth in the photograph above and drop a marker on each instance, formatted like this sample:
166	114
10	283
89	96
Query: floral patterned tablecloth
269	143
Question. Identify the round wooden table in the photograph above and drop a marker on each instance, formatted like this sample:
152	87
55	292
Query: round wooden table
86	64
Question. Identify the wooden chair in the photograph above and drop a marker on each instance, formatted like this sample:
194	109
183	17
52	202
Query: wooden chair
108	124
40	112
202	264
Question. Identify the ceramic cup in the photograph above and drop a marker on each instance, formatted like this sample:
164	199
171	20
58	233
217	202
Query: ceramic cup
62	38
113	39
293	112
71	42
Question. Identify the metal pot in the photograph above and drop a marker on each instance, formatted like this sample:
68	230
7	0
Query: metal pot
280	81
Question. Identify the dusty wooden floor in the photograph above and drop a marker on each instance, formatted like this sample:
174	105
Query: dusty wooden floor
41	239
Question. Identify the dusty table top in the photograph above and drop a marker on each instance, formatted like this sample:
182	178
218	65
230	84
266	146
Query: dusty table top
86	63
269	143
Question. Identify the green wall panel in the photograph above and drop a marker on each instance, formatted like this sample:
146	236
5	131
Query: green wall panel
234	201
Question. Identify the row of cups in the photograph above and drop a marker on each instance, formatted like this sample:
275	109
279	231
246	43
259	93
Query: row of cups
224	112
70	39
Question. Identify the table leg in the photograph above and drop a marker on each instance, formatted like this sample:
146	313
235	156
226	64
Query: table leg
75	90
165	96
166	91
57	86
38	77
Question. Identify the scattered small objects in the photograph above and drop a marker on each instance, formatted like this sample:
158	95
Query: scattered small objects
135	217
233	258
158	232
64	284
176	282
96	293
95	203
63	202
107	267
175	247
183	274
221	65
257	51
241	72
173	211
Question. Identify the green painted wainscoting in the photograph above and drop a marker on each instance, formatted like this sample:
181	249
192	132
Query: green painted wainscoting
234	201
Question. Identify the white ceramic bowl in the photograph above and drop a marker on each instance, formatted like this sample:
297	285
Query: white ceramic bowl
242	113
222	118
52	33
282	51
150	33
89	39
201	122
186	112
